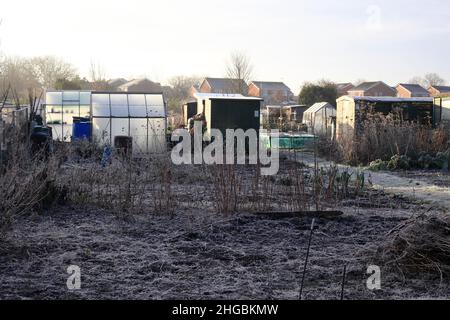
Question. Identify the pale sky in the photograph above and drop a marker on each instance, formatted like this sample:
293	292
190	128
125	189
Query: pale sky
287	40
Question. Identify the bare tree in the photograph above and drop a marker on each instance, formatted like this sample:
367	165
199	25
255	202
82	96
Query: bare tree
97	74
433	79
17	73
239	69
428	80
47	69
416	80
178	91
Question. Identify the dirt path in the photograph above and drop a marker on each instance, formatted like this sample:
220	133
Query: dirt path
389	182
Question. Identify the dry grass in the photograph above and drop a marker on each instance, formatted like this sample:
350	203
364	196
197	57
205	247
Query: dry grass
381	137
27	182
419	245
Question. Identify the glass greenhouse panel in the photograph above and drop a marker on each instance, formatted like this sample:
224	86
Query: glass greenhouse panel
119	111
101	130
54	120
119	127
119	100
73	111
136	100
156	135
53	98
100	98
66	132
85	111
57	131
71	96
119	105
85	98
138	130
155	111
138	111
99	110
100	105
154	100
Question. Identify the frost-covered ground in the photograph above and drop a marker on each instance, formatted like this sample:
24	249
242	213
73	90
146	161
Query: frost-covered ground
194	255
430	186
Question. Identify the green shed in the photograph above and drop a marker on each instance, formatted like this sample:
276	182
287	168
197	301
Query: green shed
229	111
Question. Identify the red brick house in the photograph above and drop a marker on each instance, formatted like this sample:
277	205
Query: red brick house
438	90
373	89
223	85
271	92
141	85
411	90
343	88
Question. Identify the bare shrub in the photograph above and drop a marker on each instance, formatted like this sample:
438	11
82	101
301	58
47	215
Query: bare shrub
294	188
382	137
419	245
226	187
27	184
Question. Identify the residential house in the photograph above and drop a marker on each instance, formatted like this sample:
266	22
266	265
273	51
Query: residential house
271	92
194	89
343	88
438	90
411	90
114	84
224	86
141	85
373	89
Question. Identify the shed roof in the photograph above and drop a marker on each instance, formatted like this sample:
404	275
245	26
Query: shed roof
317	106
387	99
223	96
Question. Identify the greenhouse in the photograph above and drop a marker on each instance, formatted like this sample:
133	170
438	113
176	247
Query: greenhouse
112	116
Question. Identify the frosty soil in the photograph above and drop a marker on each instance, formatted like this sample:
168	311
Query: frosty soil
196	253
195	256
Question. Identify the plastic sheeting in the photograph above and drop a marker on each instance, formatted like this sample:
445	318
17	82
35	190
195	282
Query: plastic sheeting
139	116
62	107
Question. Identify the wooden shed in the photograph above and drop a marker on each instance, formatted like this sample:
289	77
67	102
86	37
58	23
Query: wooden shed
350	109
441	106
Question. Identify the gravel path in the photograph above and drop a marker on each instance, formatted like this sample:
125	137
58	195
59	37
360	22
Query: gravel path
417	189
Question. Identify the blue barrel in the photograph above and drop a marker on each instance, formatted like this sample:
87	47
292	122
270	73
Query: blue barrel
81	130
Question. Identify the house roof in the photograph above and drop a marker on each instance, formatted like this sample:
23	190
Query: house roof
442	89
223	96
317	106
271	85
414	88
341	86
117	81
369	85
386	99
224	83
136	82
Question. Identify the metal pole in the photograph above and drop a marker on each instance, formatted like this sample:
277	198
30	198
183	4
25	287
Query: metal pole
306	259
343	282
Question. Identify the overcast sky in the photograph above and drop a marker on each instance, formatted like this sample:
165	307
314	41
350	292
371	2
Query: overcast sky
288	40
